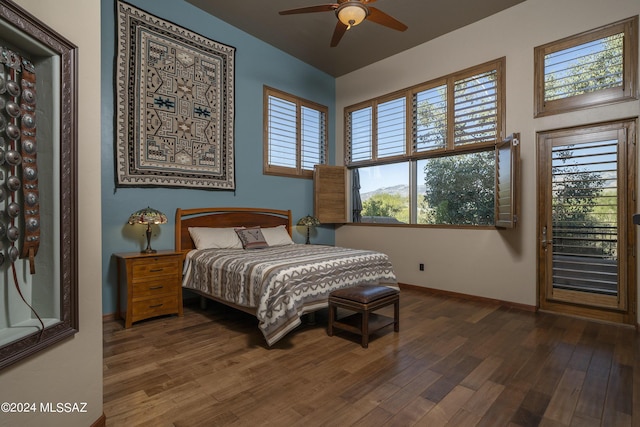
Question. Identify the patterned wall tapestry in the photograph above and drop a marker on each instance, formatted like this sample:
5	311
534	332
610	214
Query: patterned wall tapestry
174	105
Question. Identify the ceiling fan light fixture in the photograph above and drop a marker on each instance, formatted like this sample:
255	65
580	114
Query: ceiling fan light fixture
351	13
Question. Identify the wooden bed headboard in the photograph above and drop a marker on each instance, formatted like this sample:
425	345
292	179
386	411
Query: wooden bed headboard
225	217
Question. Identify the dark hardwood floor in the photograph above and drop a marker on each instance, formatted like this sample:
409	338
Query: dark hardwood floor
453	363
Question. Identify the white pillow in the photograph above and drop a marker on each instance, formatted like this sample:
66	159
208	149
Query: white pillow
215	238
277	236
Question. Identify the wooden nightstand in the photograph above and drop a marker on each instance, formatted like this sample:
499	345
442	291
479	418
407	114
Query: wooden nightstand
153	284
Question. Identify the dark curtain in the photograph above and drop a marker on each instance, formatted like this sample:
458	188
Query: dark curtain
356	202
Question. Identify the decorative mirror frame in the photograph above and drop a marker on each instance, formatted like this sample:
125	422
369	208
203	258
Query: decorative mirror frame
27	24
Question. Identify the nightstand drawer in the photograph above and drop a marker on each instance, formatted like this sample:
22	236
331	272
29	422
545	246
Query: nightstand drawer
154	307
150	288
155	267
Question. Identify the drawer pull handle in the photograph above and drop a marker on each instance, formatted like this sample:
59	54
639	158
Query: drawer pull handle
155	270
153	288
156	306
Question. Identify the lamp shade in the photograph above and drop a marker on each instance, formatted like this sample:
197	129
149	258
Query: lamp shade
147	216
351	13
309	221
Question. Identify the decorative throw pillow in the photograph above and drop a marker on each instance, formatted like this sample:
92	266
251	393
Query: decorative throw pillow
277	236
252	238
215	238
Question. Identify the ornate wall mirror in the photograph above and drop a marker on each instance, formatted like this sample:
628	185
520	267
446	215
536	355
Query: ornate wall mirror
38	202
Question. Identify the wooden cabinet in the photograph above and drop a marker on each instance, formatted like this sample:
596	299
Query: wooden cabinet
152	283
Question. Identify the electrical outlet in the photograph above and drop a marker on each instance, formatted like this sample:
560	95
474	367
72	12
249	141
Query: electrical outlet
421	267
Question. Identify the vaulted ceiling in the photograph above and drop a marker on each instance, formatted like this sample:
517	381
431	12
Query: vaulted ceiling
307	36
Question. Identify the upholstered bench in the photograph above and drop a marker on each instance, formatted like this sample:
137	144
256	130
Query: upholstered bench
363	299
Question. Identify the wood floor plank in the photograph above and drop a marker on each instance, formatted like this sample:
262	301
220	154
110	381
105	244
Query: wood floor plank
463	418
532	410
479	376
446	409
563	400
397	401
412	412
483	398
505	406
480	312
453	363
580	420
617	408
376	417
594	389
635	416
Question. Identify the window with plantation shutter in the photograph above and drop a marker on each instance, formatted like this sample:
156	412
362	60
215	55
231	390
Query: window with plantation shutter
430	118
592	68
313	138
476	108
376	130
359	128
462	111
391	128
430	154
282	132
295	134
577	70
507	155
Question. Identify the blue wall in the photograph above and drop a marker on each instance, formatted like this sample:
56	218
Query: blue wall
257	64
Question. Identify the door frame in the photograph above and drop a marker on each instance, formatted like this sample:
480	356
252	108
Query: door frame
543	178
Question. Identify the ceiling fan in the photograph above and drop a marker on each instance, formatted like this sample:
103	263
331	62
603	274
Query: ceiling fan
351	13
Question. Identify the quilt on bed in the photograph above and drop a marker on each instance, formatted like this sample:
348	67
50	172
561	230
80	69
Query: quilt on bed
283	282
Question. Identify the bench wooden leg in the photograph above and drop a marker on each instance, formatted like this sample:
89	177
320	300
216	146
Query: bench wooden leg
396	316
365	329
332	316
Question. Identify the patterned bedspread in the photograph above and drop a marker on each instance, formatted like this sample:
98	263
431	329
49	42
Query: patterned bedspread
282	283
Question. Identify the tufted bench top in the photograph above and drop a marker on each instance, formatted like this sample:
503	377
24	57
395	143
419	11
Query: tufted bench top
364	294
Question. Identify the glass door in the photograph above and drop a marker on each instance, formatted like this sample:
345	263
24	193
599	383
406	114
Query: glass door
586	237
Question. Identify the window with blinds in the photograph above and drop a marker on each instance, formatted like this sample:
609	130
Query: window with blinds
475	108
312	138
376	130
584	191
391	128
282	133
585	68
429	154
461	111
359	129
592	68
430	118
295	134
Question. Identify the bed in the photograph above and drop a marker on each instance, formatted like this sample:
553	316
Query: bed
277	280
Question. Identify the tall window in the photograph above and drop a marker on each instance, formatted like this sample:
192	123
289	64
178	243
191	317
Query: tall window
295	134
427	154
593	68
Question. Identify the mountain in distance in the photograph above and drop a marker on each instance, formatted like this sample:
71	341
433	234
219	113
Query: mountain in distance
402	190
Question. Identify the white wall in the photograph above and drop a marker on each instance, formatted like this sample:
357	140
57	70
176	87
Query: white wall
487	263
71	371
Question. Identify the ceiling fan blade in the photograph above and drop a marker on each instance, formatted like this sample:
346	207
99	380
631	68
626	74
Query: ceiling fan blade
310	9
379	17
338	33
